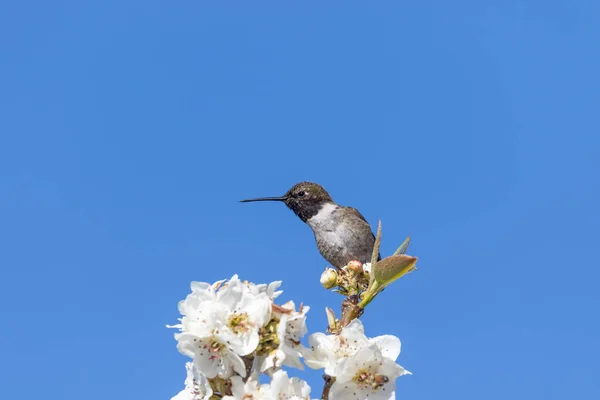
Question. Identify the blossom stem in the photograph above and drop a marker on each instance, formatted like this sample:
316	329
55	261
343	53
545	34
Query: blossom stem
328	382
350	311
248	361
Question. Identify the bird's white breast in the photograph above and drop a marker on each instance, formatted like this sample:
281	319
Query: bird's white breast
324	220
327	228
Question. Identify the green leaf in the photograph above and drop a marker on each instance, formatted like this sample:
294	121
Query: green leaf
403	247
391	268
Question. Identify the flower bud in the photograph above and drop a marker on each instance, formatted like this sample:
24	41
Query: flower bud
332	322
355	266
329	278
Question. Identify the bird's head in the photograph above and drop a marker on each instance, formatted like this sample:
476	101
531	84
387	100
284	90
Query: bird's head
304	198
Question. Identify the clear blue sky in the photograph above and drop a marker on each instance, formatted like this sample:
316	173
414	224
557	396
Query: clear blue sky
129	130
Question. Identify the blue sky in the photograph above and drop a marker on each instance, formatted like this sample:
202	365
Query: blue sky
130	130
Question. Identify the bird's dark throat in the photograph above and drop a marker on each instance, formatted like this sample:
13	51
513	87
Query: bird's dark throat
304	210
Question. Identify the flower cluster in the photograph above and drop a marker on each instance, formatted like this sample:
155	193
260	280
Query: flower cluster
233	332
363	368
351	279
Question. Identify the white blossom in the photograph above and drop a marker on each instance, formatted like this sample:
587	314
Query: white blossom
290	330
211	355
389	345
270	289
368	374
281	388
250	390
285	388
201	292
326	351
363	368
221	324
196	386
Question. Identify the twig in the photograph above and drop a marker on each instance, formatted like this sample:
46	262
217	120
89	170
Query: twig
328	382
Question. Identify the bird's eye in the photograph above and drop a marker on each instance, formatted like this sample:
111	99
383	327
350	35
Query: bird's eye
301	193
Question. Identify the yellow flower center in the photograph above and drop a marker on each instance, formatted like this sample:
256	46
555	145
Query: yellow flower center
239	323
269	341
364	379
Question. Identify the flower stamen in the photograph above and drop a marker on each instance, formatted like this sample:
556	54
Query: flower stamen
239	323
365	379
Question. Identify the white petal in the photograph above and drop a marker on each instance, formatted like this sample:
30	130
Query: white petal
197	384
272	289
230	295
273	361
237	387
187	343
364	358
354	330
347	390
279	382
258	288
350	391
183	395
328	351
290	305
258	308
367	359
241	344
292	359
300	388
209	317
217	284
200	287
177	326
391	369
237	363
210	366
212	363
389	346
320	352
282	387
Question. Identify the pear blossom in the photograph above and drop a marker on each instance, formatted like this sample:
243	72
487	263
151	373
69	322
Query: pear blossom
221	324
281	388
270	289
290	330
201	292
368	374
251	389
285	388
389	345
325	351
363	368
211	355
233	332
196	386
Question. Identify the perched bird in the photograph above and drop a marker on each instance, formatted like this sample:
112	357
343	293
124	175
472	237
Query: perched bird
342	233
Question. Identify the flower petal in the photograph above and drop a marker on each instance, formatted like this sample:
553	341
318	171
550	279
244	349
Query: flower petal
389	345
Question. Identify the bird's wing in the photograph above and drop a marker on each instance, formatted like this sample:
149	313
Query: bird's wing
358	214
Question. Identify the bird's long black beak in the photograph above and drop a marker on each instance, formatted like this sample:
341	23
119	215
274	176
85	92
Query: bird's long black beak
283	198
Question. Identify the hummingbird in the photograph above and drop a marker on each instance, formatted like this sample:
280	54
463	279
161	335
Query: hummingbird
342	233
